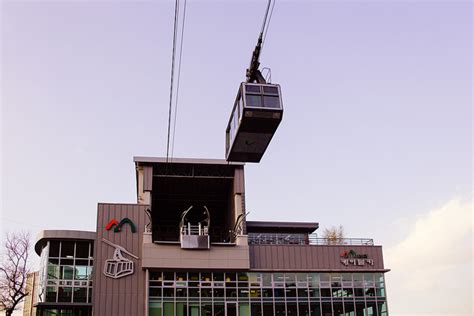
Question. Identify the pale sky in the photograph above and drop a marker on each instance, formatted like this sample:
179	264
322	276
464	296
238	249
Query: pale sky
376	134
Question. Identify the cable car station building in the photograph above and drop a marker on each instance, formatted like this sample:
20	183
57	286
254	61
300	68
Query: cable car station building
186	249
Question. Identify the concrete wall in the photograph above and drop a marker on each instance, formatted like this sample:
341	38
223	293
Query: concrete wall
311	258
144	184
124	296
239	195
31	299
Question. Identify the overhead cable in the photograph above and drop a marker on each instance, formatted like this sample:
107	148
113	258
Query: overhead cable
269	20
179	76
265	17
175	29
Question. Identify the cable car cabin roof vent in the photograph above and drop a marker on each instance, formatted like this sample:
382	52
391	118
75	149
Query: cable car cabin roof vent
257	112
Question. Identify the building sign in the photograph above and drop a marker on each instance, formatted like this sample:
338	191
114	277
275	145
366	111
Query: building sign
352	258
119	266
118	225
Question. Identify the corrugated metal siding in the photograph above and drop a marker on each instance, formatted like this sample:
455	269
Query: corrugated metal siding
124	296
308	258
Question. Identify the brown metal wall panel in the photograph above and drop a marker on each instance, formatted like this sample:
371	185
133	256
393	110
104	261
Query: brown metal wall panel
270	255
312	257
317	260
264	256
327	256
309	260
302	256
123	296
254	259
286	258
295	257
275	256
147	178
287	253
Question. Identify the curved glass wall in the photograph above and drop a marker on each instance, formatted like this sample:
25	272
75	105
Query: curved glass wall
255	293
66	272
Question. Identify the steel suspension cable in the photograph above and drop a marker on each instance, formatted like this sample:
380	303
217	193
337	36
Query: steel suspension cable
175	32
268	24
178	80
265	17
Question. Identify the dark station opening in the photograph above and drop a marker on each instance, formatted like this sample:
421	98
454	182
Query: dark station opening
176	187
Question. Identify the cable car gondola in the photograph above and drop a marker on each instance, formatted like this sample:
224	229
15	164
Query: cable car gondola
257	112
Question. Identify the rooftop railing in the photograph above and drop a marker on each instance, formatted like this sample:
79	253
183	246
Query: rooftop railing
303	239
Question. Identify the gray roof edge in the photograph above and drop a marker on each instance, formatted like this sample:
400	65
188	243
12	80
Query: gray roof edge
305	225
46	235
203	161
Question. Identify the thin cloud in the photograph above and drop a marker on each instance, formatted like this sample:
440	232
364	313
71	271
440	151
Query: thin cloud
432	267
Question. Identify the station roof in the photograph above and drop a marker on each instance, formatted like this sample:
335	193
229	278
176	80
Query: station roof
46	235
281	227
202	161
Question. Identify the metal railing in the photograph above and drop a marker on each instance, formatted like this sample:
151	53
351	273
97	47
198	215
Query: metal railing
194	230
304	239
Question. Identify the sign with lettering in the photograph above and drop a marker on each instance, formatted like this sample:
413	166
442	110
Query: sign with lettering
350	257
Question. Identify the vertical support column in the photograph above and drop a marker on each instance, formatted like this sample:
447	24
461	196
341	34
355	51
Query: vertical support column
144	184
239	191
238	205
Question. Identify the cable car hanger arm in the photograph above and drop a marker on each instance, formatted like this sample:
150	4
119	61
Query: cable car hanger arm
253	73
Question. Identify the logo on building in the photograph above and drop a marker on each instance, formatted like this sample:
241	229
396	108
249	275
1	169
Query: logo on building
118	225
350	257
119	266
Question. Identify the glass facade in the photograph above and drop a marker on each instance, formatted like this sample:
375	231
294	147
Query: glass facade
255	293
71	311
66	276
